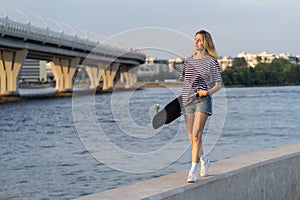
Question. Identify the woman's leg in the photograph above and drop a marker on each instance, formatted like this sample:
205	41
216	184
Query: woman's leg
195	125
198	127
189	123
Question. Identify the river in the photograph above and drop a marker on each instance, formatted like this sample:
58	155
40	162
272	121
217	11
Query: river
45	152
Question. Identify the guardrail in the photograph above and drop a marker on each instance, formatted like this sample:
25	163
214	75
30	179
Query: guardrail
27	32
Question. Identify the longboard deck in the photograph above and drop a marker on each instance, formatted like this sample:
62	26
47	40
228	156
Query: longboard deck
170	112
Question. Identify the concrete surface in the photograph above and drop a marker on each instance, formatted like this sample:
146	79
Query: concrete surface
269	174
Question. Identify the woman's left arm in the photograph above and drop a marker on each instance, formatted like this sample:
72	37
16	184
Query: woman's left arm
214	89
215	76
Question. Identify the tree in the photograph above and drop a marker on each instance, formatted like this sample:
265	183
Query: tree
278	72
258	59
238	62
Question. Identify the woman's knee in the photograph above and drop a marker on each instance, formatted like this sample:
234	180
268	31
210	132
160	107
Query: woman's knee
197	138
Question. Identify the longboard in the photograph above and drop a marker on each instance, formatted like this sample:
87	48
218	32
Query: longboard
170	112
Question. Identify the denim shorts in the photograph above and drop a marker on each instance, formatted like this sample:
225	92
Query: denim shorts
199	104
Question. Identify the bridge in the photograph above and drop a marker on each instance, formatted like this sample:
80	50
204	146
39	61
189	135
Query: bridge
65	53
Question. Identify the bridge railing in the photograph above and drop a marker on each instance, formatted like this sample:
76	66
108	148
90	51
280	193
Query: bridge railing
45	35
28	31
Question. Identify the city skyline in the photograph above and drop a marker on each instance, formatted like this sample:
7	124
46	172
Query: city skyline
248	26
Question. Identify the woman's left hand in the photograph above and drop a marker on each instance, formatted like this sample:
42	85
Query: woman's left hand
203	93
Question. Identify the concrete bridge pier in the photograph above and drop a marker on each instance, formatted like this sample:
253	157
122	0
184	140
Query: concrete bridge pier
10	65
94	74
129	76
63	71
133	75
121	74
109	76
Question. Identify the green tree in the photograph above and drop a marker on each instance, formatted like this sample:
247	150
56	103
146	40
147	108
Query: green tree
278	72
237	62
258	59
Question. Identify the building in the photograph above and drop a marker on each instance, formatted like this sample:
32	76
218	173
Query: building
253	59
33	71
294	59
225	62
263	57
171	65
289	57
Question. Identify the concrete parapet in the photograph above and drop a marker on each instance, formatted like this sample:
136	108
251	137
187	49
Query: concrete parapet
269	174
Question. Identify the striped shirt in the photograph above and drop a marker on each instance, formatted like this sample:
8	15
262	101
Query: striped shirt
198	74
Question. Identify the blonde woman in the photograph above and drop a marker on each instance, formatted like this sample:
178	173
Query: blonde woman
201	75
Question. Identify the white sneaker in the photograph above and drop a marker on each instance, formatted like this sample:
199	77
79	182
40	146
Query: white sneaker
192	178
204	165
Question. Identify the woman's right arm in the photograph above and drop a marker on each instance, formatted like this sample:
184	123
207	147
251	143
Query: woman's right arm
182	72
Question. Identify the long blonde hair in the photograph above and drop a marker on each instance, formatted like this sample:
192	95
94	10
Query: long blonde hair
208	43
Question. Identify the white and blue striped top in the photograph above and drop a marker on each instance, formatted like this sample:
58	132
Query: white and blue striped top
198	74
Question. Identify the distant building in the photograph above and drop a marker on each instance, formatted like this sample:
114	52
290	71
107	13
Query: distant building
253	59
160	65
33	71
289	57
294	59
283	55
147	70
49	72
175	64
225	62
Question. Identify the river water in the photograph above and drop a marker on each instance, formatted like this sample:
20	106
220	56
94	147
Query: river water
45	153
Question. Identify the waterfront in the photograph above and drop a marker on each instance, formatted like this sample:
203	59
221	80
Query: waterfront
42	156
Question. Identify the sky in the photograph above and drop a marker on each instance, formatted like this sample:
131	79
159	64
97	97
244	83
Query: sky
168	26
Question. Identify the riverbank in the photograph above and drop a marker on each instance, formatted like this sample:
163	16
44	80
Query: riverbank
32	96
48	92
160	84
142	84
35	85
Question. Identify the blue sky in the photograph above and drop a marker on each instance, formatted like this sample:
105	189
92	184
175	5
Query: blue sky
249	26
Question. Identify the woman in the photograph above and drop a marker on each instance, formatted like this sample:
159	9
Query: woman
202	78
